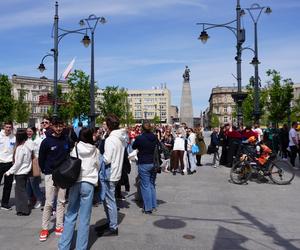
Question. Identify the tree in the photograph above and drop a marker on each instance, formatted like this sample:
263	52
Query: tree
22	109
78	98
114	101
280	96
6	99
248	103
214	121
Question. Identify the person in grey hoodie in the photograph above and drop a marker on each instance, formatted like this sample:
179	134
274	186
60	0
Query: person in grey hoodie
81	194
113	158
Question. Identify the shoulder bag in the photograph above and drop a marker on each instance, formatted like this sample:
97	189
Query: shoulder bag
67	172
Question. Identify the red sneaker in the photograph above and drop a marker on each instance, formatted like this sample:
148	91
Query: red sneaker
44	235
59	230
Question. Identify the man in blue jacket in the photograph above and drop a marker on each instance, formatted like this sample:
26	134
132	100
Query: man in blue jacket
54	149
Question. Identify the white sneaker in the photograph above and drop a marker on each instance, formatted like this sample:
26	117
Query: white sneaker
38	204
215	166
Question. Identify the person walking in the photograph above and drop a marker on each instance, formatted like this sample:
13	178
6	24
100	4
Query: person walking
145	144
22	166
81	193
113	157
7	145
54	149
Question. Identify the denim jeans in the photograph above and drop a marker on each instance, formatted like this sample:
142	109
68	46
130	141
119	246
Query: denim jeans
192	161
110	205
148	186
33	188
80	200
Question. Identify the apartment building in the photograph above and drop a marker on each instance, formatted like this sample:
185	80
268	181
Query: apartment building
222	104
146	104
34	88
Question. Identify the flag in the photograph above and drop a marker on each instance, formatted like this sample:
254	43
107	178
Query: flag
68	69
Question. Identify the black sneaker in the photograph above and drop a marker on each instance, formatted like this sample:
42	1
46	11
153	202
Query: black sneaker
110	232
6	207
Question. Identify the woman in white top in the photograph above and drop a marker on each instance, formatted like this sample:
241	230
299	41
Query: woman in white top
21	167
81	194
33	185
178	151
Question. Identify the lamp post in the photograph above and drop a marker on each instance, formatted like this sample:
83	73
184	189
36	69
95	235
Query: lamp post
59	33
92	22
239	33
255	62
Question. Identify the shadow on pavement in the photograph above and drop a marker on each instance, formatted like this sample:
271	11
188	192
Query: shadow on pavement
168	223
268	230
93	234
227	239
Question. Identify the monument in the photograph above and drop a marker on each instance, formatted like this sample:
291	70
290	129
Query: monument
186	106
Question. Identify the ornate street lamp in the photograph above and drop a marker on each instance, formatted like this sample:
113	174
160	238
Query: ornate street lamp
255	62
86	42
91	23
239	33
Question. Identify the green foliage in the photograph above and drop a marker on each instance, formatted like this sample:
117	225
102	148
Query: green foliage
248	104
214	121
156	119
114	101
22	109
6	99
280	96
78	99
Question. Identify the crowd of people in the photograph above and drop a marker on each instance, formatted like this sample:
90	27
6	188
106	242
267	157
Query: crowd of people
107	154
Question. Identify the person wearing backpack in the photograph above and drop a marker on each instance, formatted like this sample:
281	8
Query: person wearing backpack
81	193
145	144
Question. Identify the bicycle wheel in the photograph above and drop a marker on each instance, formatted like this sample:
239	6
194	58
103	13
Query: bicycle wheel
281	172
240	172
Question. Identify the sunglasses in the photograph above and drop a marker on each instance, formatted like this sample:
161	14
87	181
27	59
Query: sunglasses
44	122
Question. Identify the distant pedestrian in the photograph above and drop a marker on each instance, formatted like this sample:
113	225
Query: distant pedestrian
21	168
7	145
293	142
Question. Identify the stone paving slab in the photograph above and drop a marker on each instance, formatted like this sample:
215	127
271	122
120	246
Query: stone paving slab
215	213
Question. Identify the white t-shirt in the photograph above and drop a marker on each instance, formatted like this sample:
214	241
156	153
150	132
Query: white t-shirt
259	133
293	134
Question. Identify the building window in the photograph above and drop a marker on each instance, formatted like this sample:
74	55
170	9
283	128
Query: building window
225	119
225	109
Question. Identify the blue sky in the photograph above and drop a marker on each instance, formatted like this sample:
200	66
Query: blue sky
149	42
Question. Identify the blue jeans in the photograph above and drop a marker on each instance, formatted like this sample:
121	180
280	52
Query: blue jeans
33	187
80	200
110	205
148	186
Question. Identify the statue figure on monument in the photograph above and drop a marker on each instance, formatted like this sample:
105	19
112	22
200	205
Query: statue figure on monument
186	74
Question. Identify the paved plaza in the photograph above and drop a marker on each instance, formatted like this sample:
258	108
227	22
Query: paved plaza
202	211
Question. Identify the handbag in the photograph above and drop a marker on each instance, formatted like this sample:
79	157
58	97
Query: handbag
156	160
195	149
67	172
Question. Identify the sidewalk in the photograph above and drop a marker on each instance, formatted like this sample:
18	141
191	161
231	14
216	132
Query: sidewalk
201	211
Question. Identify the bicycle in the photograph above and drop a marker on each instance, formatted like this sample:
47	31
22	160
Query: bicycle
279	171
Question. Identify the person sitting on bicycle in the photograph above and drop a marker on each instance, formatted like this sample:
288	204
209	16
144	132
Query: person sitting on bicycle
263	152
